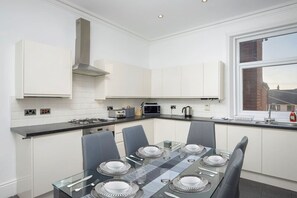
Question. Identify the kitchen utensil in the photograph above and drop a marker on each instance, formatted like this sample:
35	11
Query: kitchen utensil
91	184
81	180
211	171
138	158
171	195
204	173
128	158
187	111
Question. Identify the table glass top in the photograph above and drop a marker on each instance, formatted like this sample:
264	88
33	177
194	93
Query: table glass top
154	176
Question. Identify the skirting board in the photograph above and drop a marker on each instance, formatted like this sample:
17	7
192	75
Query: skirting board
8	189
273	181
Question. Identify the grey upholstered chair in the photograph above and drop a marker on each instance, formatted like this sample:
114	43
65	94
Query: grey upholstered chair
242	144
202	132
228	187
134	138
97	148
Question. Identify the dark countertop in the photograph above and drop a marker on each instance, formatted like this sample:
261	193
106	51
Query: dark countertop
36	130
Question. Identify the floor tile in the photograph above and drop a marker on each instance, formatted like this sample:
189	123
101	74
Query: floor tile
275	192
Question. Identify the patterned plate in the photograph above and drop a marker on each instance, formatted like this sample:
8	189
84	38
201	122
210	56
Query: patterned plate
215	160
150	151
114	167
189	183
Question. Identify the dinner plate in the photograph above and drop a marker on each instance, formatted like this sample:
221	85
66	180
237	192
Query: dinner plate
150	151
193	148
189	183
114	167
117	188
215	160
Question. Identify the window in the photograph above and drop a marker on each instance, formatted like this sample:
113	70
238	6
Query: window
266	72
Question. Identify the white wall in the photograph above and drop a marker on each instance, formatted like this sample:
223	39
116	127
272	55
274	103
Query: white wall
41	21
208	44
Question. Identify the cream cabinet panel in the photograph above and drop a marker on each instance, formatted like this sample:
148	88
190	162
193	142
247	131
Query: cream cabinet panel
42	70
213	82
253	154
279	153
121	149
157	83
221	131
55	156
172	82
164	130
182	129
124	81
192	81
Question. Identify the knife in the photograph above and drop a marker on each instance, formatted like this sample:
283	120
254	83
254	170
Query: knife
204	169
81	180
171	195
128	158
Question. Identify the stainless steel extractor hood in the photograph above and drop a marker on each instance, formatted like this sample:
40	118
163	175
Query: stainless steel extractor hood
82	51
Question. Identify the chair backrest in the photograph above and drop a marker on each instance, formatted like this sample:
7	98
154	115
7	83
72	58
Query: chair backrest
229	185
98	148
242	144
202	132
134	138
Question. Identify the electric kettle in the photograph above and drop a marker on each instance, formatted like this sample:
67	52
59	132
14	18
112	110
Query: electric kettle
187	111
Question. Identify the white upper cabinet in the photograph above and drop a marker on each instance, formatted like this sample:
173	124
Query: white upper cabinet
213	82
192	81
42	70
203	80
171	82
124	81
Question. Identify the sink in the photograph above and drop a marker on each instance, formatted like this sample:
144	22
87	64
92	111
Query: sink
277	123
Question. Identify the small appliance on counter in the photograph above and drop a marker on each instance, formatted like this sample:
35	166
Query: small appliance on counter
130	112
151	109
187	111
117	113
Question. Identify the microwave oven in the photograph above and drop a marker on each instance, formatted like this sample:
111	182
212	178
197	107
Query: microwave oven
151	109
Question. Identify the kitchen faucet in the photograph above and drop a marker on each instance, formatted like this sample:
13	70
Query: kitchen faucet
269	119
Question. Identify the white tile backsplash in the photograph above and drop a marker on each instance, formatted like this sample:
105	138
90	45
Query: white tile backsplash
82	105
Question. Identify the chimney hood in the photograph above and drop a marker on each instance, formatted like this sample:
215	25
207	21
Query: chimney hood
82	51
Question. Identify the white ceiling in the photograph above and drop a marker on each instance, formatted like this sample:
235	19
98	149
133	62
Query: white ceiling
140	17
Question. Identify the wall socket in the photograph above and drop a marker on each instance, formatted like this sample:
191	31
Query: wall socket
109	108
207	107
29	112
45	111
173	107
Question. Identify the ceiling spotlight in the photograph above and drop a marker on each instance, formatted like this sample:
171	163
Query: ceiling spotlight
160	16
204	1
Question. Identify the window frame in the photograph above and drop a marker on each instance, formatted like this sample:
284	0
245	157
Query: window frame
238	67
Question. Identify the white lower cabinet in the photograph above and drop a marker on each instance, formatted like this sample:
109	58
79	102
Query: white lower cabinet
279	153
253	154
148	126
45	159
171	130
221	131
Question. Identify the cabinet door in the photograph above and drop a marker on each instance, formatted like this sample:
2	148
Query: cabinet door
55	157
148	126
213	79
172	82
47	70
192	81
164	130
121	149
182	130
146	83
279	153
221	136
253	154
157	83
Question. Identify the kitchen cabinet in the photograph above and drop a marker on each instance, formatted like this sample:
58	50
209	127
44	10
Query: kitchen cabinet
171	130
148	126
279	153
42	70
204	80
213	81
45	159
253	154
124	81
221	135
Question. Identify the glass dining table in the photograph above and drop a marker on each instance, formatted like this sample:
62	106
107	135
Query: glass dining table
154	176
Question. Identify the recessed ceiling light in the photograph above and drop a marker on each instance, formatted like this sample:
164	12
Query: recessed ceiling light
160	16
204	1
